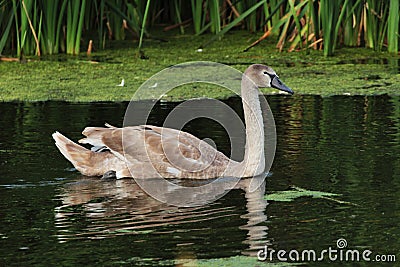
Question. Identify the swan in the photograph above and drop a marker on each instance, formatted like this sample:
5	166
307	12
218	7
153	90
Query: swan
147	151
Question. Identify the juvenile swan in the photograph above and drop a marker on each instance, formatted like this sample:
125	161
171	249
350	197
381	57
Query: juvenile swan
152	151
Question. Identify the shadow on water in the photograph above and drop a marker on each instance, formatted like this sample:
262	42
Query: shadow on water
49	214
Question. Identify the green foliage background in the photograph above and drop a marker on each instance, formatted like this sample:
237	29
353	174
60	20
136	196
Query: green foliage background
36	27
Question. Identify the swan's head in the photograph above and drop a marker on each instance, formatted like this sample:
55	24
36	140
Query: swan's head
264	76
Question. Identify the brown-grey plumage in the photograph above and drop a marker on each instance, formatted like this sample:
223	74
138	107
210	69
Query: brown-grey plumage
147	151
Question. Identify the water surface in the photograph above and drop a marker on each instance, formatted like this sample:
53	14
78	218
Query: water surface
51	215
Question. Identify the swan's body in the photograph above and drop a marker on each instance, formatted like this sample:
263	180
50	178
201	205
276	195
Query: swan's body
147	151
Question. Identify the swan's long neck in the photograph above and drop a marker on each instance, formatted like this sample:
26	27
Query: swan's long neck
254	161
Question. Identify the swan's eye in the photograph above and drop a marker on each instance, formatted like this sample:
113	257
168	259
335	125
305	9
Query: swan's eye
271	76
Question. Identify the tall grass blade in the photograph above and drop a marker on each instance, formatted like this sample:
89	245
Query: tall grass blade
27	18
215	18
131	20
197	15
18	39
143	24
234	22
273	16
352	22
338	23
296	19
329	19
59	24
177	11
393	27
99	9
115	22
79	28
6	33
75	18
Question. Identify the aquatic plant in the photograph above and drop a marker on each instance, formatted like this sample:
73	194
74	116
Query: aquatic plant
49	27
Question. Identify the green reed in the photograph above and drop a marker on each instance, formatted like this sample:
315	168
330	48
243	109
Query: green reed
370	23
393	27
52	22
50	27
6	21
75	18
146	12
197	15
23	12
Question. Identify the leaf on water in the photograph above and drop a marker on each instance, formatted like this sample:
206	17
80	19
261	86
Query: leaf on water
236	261
296	192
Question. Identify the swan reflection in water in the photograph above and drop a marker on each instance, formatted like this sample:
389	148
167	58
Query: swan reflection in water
120	207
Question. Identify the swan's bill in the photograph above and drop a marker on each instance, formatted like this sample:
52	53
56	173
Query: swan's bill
278	84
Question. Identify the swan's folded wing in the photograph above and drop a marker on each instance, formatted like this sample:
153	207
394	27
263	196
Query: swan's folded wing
182	150
168	151
107	137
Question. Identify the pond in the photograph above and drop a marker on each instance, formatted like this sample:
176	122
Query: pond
51	215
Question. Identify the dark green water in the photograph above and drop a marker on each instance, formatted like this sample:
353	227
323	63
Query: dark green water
52	216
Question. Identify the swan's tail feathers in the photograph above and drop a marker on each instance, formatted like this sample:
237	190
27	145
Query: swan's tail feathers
84	160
